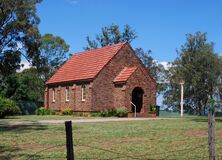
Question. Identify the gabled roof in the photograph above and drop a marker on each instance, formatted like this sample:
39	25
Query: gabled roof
124	75
85	65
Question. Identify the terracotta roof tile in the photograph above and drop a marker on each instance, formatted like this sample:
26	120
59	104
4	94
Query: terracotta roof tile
85	65
124	75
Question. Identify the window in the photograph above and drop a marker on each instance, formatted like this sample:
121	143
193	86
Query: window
67	93
83	92
53	94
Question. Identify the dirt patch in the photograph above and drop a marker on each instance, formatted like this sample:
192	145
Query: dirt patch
203	133
33	146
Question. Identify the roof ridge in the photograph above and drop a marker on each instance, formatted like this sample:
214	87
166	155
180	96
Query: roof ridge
96	49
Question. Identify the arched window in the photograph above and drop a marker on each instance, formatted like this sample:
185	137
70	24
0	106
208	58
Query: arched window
83	92
53	95
67	93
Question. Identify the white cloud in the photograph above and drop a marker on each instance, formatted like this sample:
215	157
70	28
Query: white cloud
26	65
165	64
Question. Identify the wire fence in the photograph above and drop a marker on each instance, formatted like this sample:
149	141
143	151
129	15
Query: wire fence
169	155
183	151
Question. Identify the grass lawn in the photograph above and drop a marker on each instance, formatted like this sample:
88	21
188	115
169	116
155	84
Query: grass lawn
184	138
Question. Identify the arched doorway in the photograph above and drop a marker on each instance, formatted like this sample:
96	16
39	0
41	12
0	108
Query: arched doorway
137	99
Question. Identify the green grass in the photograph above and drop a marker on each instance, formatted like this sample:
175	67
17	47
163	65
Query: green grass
184	138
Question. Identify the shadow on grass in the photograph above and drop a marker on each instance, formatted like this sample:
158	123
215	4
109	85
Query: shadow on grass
205	119
10	153
21	127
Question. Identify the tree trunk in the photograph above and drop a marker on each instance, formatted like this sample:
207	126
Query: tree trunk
199	108
211	134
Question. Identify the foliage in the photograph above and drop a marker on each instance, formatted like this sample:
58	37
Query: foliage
8	107
156	69
53	53
44	111
30	86
111	35
24	86
104	113
66	111
153	108
213	105
19	34
29	107
113	112
121	112
95	114
201	70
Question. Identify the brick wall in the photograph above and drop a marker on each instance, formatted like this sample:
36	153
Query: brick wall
107	95
75	97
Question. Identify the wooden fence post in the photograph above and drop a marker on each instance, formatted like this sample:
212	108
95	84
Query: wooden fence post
69	140
211	134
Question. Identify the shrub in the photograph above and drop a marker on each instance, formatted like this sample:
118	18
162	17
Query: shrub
8	107
104	113
111	112
67	111
44	111
96	114
152	108
122	112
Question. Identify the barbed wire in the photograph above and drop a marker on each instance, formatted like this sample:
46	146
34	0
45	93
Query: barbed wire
30	156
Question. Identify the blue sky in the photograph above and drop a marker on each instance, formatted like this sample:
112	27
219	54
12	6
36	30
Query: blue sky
161	25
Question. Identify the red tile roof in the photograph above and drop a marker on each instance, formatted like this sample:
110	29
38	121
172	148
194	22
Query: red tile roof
85	65
124	75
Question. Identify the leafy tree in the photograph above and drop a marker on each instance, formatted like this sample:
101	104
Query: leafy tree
111	35
30	86
53	51
18	34
156	69
200	68
26	86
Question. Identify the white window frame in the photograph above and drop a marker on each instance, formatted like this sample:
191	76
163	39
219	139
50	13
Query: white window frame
83	92
53	95
67	94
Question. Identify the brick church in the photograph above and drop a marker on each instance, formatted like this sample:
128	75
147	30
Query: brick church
103	78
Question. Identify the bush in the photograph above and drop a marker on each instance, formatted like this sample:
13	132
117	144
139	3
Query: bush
44	111
104	113
8	107
152	108
67	111
96	114
107	113
122	112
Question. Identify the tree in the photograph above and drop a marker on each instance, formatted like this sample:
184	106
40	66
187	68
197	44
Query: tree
53	53
26	86
200	68
156	69
18	34
30	86
111	35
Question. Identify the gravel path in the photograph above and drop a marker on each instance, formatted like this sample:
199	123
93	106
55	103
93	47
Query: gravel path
85	120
